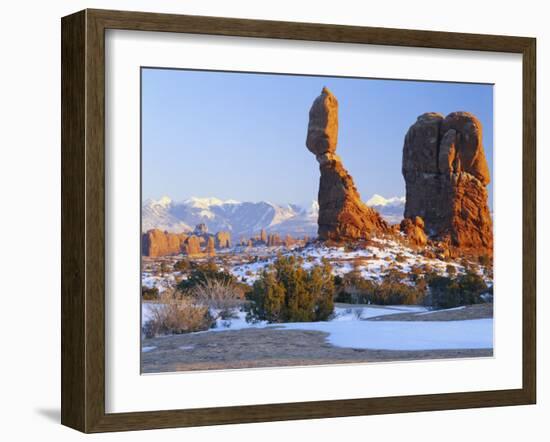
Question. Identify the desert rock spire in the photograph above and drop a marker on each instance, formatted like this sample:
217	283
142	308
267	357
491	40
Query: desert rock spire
342	214
446	176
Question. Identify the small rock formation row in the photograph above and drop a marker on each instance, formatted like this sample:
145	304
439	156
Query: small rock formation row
446	176
342	214
156	242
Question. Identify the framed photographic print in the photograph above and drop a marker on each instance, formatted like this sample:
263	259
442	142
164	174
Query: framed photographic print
268	220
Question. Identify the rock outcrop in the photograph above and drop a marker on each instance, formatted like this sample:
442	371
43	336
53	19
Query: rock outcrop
155	243
210	249
342	214
446	176
274	240
413	229
223	240
201	229
193	245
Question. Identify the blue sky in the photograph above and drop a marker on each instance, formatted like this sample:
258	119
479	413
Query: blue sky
242	135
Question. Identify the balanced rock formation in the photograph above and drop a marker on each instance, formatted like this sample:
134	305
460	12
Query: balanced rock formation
342	214
155	243
413	229
446	176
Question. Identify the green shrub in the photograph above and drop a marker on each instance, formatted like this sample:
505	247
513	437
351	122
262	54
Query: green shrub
392	290
472	286
182	265
149	294
451	270
201	273
485	260
268	295
286	292
352	288
400	258
448	292
444	292
348	247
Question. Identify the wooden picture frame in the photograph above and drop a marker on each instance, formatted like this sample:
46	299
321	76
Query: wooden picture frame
83	220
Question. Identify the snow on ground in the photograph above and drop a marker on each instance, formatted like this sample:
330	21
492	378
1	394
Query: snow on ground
349	329
366	312
340	314
145	312
160	282
372	261
146	349
394	335
447	310
238	323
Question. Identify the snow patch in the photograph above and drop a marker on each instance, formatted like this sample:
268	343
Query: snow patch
395	335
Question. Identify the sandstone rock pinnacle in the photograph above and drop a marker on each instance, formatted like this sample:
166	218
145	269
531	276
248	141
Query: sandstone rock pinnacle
342	214
446	176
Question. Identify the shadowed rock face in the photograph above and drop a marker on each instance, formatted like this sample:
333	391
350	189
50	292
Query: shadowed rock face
446	176
342	214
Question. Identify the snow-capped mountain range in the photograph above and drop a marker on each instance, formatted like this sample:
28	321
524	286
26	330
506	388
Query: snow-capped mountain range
245	219
391	209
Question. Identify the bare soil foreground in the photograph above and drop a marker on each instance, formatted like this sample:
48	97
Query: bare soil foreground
275	347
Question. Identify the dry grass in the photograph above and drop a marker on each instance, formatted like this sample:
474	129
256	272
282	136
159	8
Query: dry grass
217	295
175	314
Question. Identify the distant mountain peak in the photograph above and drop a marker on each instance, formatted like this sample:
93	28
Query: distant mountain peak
391	209
164	201
379	200
204	203
239	218
247	218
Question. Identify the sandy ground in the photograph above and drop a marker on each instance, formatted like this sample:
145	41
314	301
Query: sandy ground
269	347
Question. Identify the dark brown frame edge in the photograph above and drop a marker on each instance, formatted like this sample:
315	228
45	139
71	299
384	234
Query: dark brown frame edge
83	217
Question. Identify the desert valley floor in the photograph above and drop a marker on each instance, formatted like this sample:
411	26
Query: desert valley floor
384	334
356	333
